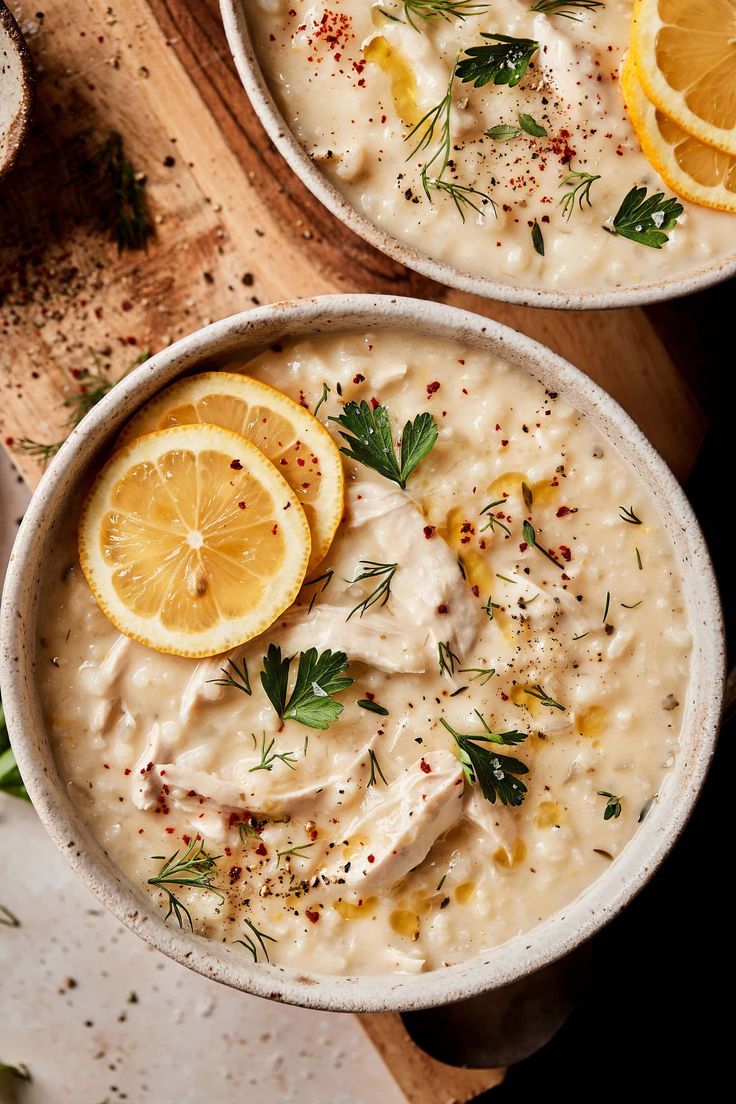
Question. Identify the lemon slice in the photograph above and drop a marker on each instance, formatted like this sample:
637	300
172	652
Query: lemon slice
685	55
695	171
289	435
191	541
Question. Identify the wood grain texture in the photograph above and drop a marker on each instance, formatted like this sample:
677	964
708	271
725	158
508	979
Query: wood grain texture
422	1079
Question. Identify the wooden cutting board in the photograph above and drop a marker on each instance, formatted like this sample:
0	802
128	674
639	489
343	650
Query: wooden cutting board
233	228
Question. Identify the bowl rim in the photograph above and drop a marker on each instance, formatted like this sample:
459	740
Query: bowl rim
296	157
22	121
522	954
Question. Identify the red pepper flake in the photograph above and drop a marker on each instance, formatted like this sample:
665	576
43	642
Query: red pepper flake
375	402
313	834
301	461
169	830
566	553
9	441
523	546
358	378
504	697
126	772
126	305
234	874
476	590
241	505
371	858
429	531
424	766
442	608
236	465
433	388
563	511
261	849
187	839
275	529
312	916
504	442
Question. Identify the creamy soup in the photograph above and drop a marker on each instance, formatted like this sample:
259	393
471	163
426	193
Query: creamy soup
532	590
352	82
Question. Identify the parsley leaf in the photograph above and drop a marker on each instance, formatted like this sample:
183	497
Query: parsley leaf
367	431
494	773
504	62
531	126
319	675
645	220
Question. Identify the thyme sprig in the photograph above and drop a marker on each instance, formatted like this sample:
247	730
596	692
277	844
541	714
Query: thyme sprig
193	870
504	61
530	536
612	810
579	184
237	677
269	756
367	431
382	592
251	946
319	676
295	852
566	9
375	769
629	516
497	775
645	219
542	696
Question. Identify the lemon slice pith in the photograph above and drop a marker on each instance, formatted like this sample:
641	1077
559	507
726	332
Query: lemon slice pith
694	170
292	438
685	56
191	541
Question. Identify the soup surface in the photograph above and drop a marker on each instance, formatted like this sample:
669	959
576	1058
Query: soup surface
532	591
352	81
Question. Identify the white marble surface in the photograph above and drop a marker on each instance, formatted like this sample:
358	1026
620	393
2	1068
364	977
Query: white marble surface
98	1017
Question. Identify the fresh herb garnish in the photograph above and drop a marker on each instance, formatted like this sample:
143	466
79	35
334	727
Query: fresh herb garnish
119	192
530	536
629	516
489	607
482	673
638	559
634	605
448	10
269	756
43	451
582	635
247	831
318	677
437	124
446	658
382	592
537	692
295	852
237	677
492	772
613	806
537	239
194	870
645	220
375	768
531	126
10	779
20	1071
325	392
325	578
493	521
441	883
373	707
608	605
503	62
248	943
565	8
8	919
579	184
367	431
504	132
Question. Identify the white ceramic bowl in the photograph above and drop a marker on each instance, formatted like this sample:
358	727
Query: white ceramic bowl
16	89
242	336
265	107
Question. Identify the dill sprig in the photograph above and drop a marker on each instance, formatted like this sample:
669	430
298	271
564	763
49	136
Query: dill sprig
237	677
446	658
319	676
382	592
269	756
435	127
645	219
612	810
492	521
504	61
325	578
607	606
43	451
530	536
367	431
629	516
119	193
579	184
193	870
295	852
325	392
542	696
375	768
251	946
490	606
497	775
449	10
566	9
482	673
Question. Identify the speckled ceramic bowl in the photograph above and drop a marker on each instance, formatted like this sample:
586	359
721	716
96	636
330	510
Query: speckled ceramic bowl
16	89
244	335
264	105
